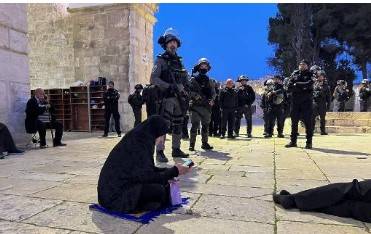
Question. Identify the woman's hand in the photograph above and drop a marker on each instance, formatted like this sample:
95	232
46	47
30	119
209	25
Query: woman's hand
182	169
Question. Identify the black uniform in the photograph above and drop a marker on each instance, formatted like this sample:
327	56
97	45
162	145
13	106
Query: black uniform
202	92
321	100
341	96
136	101
129	180
215	122
246	97
152	97
364	95
300	85
273	104
228	101
111	97
352	200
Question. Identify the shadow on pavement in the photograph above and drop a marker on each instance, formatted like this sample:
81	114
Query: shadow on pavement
343	152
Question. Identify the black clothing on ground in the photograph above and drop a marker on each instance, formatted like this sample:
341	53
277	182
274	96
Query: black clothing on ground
129	170
136	101
321	100
246	97
111	97
300	85
352	200
6	140
33	124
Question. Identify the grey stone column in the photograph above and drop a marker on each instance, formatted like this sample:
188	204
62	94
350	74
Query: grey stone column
14	68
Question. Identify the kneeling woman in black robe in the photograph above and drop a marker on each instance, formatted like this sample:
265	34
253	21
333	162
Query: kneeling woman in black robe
351	200
129	180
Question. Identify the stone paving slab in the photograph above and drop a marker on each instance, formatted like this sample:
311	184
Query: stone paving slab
194	224
21	228
309	228
71	192
16	208
77	216
235	208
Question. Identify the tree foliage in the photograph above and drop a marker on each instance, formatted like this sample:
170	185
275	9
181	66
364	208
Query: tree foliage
320	33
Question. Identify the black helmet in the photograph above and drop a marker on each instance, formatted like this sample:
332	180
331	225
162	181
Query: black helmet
304	61
169	35
138	86
201	61
278	77
242	77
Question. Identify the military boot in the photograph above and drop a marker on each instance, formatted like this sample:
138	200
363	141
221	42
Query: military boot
160	156
206	146
291	144
178	153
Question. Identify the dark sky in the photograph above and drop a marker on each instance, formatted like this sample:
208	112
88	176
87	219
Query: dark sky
232	36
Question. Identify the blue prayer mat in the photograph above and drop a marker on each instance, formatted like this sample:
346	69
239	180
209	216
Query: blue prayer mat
144	217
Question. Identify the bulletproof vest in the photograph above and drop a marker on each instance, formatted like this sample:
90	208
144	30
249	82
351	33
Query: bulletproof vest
364	93
318	91
173	71
204	84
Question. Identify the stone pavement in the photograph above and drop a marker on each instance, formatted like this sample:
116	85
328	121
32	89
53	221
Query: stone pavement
48	191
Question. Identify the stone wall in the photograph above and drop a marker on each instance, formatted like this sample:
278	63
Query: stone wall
51	46
14	68
88	41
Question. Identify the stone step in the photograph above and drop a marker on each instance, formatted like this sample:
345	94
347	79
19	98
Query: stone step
348	122
348	115
342	129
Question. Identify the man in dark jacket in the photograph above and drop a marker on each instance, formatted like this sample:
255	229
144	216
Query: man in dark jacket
202	93
136	102
129	180
321	100
228	101
111	98
171	77
39	117
300	85
351	200
246	97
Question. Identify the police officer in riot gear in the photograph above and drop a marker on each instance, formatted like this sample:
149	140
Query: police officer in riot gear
136	101
202	94
321	100
111	97
170	76
214	126
273	101
246	97
300	85
364	95
341	95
